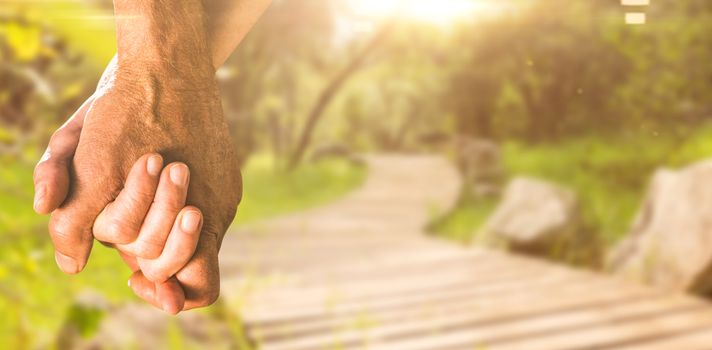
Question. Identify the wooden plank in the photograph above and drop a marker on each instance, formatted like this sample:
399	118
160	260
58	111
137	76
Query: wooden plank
586	327
698	338
393	283
617	332
502	305
360	274
496	314
262	313
389	264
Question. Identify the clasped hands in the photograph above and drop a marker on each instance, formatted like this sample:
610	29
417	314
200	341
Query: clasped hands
146	166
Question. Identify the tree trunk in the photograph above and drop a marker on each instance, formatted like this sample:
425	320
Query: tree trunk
330	91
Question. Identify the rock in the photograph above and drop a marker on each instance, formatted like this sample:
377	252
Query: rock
670	243
534	217
479	161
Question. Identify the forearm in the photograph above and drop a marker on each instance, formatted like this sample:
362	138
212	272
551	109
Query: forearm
228	22
162	33
183	33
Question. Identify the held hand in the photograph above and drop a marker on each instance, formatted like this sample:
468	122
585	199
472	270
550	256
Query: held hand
141	191
161	98
151	208
133	116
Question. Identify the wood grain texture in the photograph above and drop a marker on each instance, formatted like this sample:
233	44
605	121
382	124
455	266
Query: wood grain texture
361	273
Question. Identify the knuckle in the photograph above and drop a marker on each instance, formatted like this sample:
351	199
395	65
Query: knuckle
118	232
68	239
147	249
39	171
155	275
62	231
137	197
56	137
171	200
46	167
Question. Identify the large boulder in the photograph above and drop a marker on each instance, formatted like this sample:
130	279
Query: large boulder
670	244
534	217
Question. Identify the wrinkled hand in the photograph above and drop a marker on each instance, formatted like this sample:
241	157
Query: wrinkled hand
137	111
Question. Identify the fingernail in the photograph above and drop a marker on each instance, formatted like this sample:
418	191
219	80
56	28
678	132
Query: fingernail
66	264
179	174
154	165
190	221
39	196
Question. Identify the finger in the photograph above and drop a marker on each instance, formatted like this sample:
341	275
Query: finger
171	296
129	260
200	278
70	225
121	220
72	238
167	296
179	248
51	176
168	202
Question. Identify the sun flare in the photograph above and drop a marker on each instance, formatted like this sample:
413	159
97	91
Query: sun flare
433	11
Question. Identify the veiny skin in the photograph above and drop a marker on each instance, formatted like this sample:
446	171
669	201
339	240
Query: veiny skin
136	115
158	95
161	96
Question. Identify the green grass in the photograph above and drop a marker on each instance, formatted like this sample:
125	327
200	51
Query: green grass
35	296
462	223
609	174
269	191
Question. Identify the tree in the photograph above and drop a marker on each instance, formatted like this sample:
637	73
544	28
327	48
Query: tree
331	89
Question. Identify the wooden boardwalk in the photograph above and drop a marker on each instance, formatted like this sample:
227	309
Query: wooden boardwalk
362	274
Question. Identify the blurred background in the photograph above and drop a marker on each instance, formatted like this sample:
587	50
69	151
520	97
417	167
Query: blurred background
561	91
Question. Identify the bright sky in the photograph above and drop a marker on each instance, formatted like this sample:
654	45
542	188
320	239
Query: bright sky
440	12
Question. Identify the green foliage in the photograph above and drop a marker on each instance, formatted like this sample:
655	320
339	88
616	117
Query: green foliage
87	25
464	222
268	191
34	295
42	81
86	320
573	94
275	75
610	175
33	292
559	69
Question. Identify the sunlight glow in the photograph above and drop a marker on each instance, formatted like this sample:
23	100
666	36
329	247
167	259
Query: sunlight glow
438	12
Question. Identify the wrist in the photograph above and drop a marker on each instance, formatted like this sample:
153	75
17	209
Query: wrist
162	35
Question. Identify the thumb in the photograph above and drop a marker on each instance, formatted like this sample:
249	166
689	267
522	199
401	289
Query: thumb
71	224
73	201
51	176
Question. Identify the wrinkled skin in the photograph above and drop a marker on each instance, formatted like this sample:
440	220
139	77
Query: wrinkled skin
157	95
158	110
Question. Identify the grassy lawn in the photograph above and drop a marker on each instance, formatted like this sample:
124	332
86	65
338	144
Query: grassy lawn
462	223
35	296
269	192
610	176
